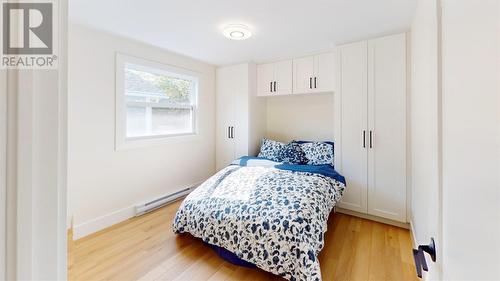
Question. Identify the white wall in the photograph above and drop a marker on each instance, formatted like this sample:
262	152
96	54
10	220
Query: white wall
105	182
300	117
471	116
424	110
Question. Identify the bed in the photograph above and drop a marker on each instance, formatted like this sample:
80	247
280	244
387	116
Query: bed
267	213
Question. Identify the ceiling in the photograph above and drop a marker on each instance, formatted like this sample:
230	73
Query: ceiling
281	28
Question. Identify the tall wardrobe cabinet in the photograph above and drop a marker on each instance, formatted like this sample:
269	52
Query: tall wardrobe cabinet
240	114
370	126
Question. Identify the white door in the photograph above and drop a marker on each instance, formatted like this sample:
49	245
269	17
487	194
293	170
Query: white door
265	79
283	76
387	127
303	73
351	131
424	131
470	120
225	118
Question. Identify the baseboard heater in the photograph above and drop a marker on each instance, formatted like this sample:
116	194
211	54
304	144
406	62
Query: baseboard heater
152	205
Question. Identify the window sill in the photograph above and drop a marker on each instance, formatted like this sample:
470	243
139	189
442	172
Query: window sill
149	141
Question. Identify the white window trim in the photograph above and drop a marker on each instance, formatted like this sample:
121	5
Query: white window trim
122	142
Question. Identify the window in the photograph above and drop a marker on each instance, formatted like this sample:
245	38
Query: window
154	101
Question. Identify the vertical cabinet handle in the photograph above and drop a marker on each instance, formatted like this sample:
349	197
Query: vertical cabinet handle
364	139
310	83
232	132
271	87
315	82
229	132
371	144
274	86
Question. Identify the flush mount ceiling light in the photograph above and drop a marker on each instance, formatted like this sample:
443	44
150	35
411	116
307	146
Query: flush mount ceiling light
237	32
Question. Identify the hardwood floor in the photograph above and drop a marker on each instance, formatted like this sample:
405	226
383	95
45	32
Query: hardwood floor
145	248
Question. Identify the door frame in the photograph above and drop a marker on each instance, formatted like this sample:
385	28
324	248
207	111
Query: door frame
3	174
33	153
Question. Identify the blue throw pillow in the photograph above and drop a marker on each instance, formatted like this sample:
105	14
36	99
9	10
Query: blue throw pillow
270	148
292	154
318	153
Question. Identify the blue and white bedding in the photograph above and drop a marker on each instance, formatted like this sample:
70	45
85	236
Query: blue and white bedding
270	214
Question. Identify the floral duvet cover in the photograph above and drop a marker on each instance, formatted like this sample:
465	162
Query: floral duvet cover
269	214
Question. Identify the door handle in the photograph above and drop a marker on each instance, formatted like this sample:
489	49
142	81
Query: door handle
310	82
419	256
274	86
232	132
315	82
229	132
271	87
371	143
364	139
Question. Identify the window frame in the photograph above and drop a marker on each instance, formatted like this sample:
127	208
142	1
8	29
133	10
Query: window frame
121	139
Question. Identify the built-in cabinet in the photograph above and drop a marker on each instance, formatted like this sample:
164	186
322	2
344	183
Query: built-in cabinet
368	79
240	115
275	78
351	116
313	74
371	126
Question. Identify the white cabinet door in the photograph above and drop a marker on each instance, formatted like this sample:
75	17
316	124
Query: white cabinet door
351	157
303	73
314	74
225	116
240	89
265	79
324	72
283	76
387	125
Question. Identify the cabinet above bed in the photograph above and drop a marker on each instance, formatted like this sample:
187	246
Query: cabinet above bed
305	75
274	78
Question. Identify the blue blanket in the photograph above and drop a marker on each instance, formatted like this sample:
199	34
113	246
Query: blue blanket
325	170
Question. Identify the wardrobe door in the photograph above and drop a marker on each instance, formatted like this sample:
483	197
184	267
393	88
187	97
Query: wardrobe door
303	75
323	80
225	117
387	127
351	130
283	76
240	89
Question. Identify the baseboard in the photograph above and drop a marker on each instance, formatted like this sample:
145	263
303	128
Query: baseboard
92	226
373	218
100	223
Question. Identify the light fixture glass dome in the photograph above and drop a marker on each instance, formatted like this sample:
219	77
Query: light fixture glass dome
237	32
